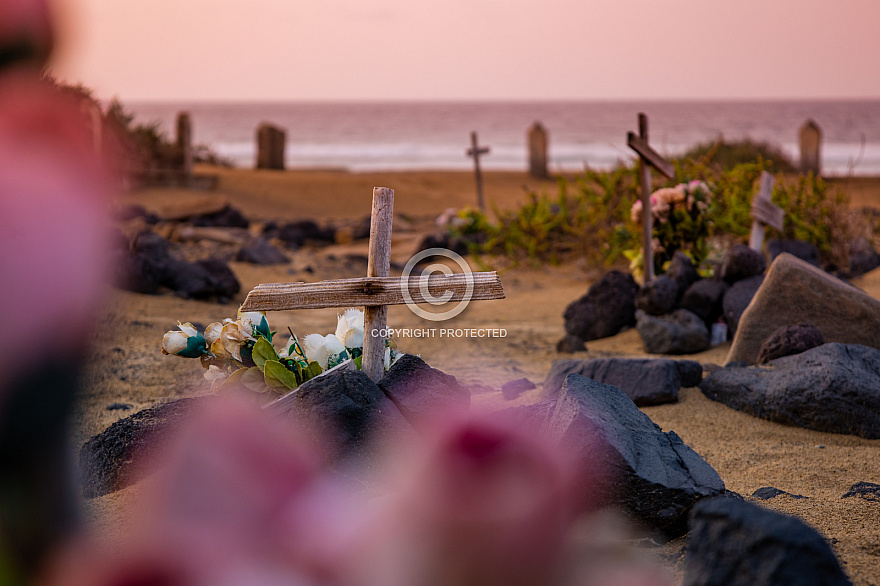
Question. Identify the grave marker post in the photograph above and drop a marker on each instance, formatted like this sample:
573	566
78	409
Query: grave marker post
184	145
475	151
538	151
648	158
810	146
270	147
764	213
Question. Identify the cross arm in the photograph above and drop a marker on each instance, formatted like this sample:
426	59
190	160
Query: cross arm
640	146
768	213
763	210
369	292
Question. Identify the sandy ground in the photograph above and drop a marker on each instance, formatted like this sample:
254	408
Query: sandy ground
748	453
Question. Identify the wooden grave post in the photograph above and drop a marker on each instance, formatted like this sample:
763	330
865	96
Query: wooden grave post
184	146
377	290
271	142
538	151
648	158
764	212
475	152
811	146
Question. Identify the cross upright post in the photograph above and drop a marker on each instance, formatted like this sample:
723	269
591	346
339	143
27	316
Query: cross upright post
378	265
475	151
764	213
648	158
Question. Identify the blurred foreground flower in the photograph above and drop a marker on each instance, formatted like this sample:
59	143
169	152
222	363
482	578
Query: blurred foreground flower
53	195
26	33
244	499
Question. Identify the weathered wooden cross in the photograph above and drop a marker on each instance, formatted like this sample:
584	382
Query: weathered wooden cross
377	290
475	152
648	158
764	213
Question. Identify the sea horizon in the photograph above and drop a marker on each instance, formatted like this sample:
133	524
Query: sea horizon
372	135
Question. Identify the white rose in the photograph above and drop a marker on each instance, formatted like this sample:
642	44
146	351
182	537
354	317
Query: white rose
215	374
212	332
350	328
314	345
186	342
174	342
327	350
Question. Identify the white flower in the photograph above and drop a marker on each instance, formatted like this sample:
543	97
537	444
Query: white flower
215	374
391	357
254	317
327	350
186	342
255	320
174	342
212	332
350	328
316	349
189	329
233	335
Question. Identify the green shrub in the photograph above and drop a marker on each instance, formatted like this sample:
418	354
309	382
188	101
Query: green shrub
590	217
728	155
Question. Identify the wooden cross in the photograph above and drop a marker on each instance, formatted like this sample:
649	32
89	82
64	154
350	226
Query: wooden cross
764	212
378	290
475	152
648	158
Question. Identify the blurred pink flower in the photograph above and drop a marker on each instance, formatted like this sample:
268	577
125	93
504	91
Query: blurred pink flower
635	212
27	25
53	192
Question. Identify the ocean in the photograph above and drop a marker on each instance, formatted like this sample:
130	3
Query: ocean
364	137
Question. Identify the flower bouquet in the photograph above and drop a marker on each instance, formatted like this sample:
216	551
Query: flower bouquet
679	224
241	352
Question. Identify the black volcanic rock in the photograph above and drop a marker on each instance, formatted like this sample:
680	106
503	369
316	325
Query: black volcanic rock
116	457
423	393
737	543
657	478
607	308
833	388
790	340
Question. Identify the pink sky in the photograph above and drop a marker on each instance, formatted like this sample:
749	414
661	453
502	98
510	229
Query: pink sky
472	49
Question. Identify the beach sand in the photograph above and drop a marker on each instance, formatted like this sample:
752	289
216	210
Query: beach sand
748	453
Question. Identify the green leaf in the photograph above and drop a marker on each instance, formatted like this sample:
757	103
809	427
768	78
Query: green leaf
263	352
262	329
358	361
253	379
313	370
234	380
278	378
